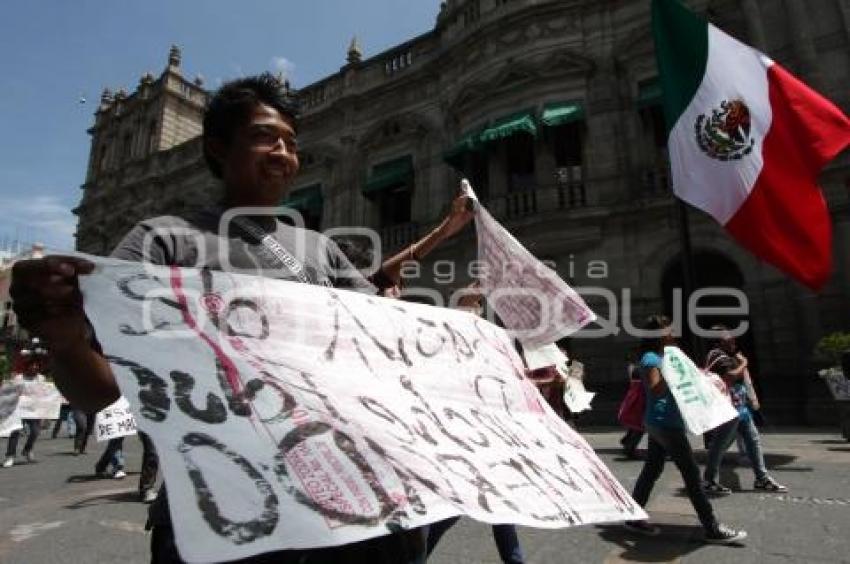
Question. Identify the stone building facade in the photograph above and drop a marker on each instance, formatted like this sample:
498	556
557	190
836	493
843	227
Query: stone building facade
552	109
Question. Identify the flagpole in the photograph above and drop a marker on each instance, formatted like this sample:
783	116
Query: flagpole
688	278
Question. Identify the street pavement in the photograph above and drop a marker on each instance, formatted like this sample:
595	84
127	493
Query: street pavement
55	511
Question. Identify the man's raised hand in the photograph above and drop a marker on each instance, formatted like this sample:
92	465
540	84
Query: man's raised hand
47	300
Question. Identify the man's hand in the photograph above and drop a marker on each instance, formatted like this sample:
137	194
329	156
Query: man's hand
46	298
459	215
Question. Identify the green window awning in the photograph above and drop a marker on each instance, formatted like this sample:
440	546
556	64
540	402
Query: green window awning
308	198
514	124
389	174
649	93
467	144
561	113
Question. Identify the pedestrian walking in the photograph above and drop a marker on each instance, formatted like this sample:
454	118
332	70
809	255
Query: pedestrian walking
30	374
65	411
731	364
111	462
505	536
84	426
666	431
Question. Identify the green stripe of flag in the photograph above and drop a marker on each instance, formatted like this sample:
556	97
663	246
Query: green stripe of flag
681	49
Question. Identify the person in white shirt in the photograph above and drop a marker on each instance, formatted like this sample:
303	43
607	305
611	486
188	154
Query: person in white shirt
31	373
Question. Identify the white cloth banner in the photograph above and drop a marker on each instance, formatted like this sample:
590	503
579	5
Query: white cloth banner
115	421
547	355
702	404
576	397
296	416
10	393
530	298
40	400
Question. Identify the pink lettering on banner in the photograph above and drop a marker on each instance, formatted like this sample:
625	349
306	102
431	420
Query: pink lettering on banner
323	475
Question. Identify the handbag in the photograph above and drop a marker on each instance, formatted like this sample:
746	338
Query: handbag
633	406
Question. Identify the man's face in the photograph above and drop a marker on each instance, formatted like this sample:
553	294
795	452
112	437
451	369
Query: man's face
261	160
31	368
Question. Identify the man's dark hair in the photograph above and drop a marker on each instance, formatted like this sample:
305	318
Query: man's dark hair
229	107
717	342
653	344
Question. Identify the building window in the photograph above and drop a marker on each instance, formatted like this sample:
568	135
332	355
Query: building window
655	176
152	141
472	13
655	132
567	148
566	144
391	128
519	161
398	62
390	187
307	201
394	206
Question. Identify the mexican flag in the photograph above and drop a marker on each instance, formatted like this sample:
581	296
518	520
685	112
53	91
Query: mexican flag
747	141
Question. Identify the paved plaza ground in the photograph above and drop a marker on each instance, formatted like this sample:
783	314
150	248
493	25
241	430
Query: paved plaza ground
55	511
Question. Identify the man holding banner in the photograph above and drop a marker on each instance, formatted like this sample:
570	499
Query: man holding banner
250	143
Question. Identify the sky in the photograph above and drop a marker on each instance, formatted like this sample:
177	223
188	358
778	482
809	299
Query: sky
56	56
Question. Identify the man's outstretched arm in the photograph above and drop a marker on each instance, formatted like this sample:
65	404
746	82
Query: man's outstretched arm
47	300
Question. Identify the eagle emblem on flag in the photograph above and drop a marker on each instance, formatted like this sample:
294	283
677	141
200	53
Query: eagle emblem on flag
724	134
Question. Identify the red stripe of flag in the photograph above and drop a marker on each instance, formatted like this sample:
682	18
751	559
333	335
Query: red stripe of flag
785	220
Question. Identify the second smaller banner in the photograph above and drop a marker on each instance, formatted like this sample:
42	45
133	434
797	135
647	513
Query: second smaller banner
115	421
702	405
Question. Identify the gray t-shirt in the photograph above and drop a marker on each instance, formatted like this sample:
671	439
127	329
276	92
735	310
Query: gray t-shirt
198	240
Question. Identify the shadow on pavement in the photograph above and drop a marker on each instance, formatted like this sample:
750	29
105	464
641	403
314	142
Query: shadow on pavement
84	478
128	496
675	541
840	449
618	454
